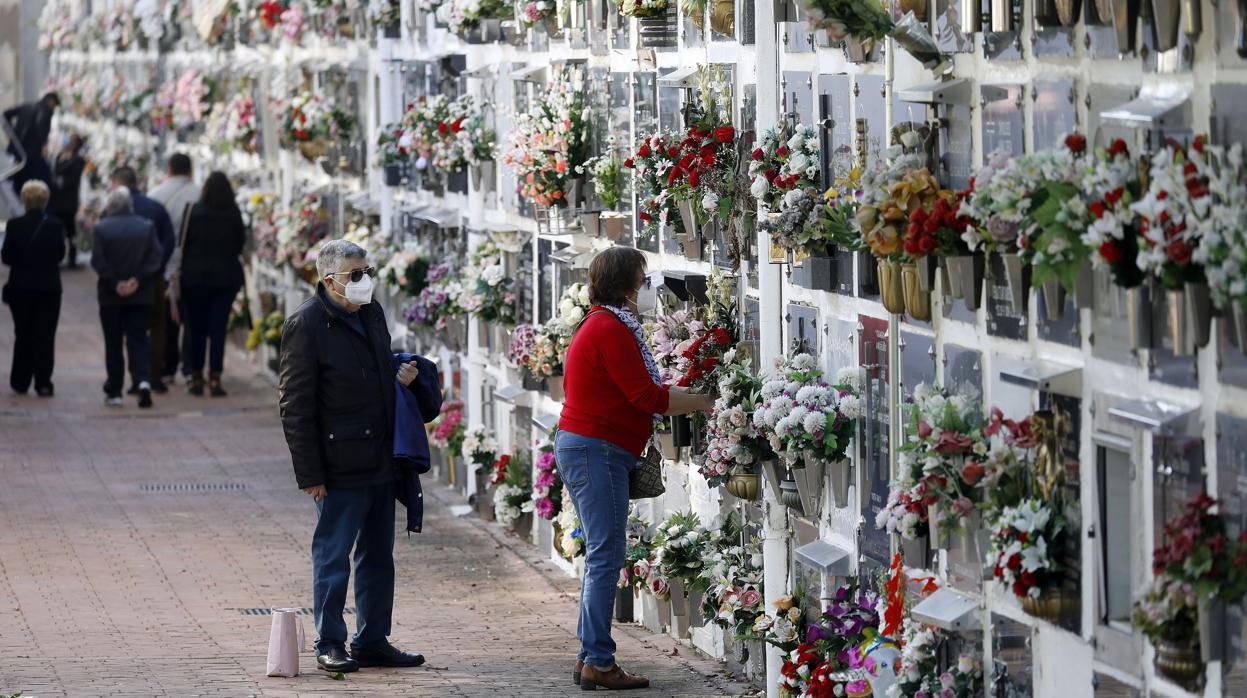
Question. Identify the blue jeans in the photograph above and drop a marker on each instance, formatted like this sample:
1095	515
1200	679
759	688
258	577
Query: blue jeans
596	474
362	517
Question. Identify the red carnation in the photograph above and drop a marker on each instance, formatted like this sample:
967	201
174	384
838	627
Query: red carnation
693	178
629	163
1076	142
972	472
645	217
757	154
673	152
926	245
644	150
442	128
782	151
722	337
724	134
1015	562
1118	148
457	126
1114	196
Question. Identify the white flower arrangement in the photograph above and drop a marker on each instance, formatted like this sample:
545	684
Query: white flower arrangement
804	418
479	447
504	511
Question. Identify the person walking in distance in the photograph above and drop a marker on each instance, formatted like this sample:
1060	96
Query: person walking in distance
67	172
33	246
126	255
177	194
32	123
210	276
149	208
337	394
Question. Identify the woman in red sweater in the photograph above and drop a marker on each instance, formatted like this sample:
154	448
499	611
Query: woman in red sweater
614	397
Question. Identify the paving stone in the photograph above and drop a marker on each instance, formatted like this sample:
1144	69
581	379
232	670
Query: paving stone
107	589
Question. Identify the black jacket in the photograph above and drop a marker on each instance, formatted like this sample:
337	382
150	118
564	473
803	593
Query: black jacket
155	212
68	174
336	395
125	247
214	242
35	263
32	123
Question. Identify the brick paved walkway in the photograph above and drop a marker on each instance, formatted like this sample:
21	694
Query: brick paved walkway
113	586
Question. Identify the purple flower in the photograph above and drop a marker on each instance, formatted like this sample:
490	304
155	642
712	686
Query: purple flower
1002	230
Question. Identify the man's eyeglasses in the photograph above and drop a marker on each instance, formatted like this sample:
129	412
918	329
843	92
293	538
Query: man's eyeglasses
357	274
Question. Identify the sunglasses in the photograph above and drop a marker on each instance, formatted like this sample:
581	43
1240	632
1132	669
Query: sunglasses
357	274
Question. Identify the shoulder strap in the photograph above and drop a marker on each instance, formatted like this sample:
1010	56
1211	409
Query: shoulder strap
186	222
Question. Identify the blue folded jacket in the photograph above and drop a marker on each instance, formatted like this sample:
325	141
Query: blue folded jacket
414	406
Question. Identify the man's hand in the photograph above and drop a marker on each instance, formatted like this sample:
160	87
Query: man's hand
408	372
126	288
318	492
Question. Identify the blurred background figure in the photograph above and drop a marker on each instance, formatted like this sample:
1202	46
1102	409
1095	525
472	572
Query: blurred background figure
67	183
31	124
177	194
33	247
210	277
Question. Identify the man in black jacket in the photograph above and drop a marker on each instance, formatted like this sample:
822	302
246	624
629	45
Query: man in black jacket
32	123
127	257
337	394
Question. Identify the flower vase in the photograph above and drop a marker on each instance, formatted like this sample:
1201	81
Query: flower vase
623	605
941	535
1165	23
810	478
912	34
691	245
679	601
746	486
928	267
891	288
393	175
917	301
1139	316
773	474
916	551
314	150
523	526
1018	279
965	277
1178	662
590	222
822	269
612	225
483	175
841	478
575	187
666	444
1177	322
555	385
662	613
1238	315
688	217
1053	604
1198	312
1068	11
1212	630
679	625
790	496
1053	299
1084	287
393	30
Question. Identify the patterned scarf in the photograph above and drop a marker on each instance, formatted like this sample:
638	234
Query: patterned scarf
629	320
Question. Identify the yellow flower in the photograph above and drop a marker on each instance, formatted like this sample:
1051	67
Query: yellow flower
783	603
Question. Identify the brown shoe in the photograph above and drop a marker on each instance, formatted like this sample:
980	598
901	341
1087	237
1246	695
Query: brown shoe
614	680
580	665
214	385
196	386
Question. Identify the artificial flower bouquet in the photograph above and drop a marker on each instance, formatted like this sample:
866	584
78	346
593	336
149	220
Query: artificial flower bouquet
462	16
513	496
886	197
491	292
571	541
307	117
383	13
921	674
1173	212
239	128
704	174
805	419
304	225
259	209
637	568
804	220
782	164
864	20
479	448
1168	613
1111	184
549	348
497	473
783	626
532	12
464	137
392	148
448	429
547	486
734	442
1198	550
643	9
439	301
732	577
834	648
670	336
1024	552
406	270
550	143
424	125
678	544
938	463
523	345
651	164
606	174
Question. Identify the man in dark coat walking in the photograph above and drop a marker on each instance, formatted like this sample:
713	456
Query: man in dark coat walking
127	257
337	401
32	123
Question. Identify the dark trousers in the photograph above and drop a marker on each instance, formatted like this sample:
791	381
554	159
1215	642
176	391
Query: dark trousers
362	517
207	316
173	348
128	322
157	325
35	315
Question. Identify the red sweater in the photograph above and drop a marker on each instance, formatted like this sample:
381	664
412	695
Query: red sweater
609	393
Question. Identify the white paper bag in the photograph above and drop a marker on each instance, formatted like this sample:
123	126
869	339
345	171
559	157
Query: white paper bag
285	642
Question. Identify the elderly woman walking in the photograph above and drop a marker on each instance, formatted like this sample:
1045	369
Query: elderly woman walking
614	396
33	247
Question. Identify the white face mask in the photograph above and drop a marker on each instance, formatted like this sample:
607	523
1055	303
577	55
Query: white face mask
360	292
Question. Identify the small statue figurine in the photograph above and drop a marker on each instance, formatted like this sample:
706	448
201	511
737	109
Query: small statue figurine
1048	469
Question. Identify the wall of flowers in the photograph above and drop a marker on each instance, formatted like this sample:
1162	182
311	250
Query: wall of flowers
967	279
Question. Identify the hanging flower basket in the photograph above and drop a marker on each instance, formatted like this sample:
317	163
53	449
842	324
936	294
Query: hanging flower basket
1054	604
789	496
612	225
746	486
891	288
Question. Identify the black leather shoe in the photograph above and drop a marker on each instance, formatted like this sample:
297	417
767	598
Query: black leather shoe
335	659
385	654
159	387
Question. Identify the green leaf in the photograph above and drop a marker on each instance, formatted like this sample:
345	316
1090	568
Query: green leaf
339	676
725	209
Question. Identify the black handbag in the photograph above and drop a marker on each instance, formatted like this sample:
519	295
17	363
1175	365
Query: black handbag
645	481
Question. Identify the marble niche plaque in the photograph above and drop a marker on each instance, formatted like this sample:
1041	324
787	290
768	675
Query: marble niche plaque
872	354
1051	39
917	360
1013	659
1003	127
836	126
1232	496
1229	103
1003	319
802	329
963	370
1099	99
798	97
1178	475
751	331
841	344
1099	36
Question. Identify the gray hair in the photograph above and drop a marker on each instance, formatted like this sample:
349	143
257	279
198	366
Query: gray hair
118	202
332	252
